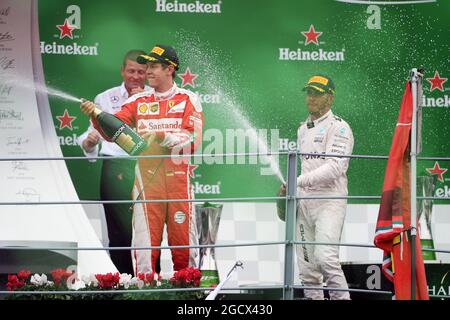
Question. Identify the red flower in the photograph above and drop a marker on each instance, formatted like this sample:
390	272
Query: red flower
149	278
187	277
23	275
60	275
14	282
108	281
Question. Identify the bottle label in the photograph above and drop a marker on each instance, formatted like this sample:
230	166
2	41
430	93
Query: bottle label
126	142
118	132
129	140
139	147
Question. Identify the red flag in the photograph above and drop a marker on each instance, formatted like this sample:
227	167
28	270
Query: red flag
394	216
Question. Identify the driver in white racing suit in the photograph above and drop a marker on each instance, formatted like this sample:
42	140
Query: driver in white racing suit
321	220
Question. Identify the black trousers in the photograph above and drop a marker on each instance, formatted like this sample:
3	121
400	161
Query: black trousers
116	184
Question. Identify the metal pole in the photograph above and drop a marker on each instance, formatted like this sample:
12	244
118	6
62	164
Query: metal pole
414	75
291	206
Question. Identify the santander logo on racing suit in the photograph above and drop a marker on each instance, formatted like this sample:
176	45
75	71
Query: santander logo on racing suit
436	86
66	30
159	124
311	37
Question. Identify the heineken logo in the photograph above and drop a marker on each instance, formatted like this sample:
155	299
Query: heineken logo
65	120
188	80
70	49
188	7
437	82
436	86
66	30
437	170
69	29
287	145
311	36
443	192
71	140
70	23
319	55
199	188
431	102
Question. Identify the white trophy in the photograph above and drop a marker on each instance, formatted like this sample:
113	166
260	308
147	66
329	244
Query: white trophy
208	219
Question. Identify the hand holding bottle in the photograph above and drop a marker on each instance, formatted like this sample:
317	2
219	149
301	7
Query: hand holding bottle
114	129
87	107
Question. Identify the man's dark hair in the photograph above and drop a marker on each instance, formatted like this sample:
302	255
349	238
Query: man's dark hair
165	65
132	55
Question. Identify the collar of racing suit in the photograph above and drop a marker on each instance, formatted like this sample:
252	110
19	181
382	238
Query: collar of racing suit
311	124
167	94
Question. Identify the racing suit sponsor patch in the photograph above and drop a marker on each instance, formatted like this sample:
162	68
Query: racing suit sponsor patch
148	108
179	217
176	108
168	124
318	139
302	237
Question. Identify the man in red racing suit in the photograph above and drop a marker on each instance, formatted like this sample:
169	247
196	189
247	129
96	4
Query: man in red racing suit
171	120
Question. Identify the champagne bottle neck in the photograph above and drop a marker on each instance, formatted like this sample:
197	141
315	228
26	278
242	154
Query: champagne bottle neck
96	112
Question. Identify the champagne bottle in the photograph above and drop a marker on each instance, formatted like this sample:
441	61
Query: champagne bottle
120	133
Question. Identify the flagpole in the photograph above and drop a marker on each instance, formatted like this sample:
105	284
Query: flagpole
415	76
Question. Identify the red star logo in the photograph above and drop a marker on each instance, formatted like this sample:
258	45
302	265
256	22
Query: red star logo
437	170
65	120
437	82
191	169
188	78
311	35
65	30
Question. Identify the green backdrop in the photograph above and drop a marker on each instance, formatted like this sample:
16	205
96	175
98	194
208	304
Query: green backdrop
239	54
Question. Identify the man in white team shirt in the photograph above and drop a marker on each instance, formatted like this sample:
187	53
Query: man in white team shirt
117	176
321	220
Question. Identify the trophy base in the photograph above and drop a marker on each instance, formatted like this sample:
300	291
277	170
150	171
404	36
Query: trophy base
428	244
209	278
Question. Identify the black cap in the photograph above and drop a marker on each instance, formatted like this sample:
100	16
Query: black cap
160	53
321	84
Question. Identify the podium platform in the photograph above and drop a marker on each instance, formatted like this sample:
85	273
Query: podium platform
36	260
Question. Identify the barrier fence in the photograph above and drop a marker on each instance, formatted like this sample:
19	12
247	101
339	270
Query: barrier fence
290	242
